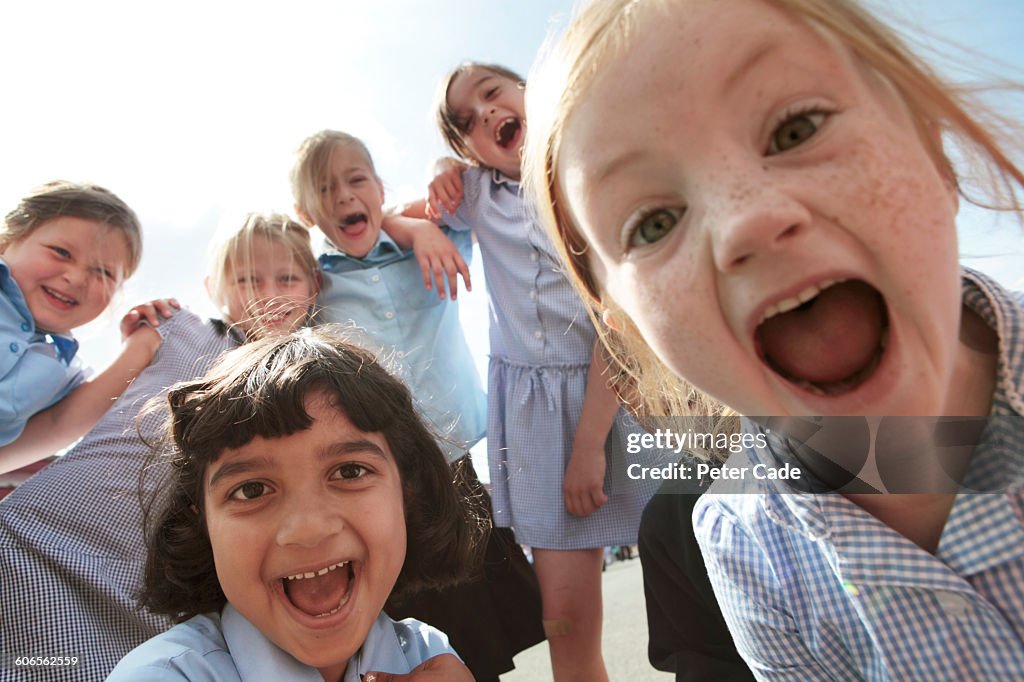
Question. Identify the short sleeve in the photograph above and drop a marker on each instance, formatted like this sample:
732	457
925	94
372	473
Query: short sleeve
467	215
751	598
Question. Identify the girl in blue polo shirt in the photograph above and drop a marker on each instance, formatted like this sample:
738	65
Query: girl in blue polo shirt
64	250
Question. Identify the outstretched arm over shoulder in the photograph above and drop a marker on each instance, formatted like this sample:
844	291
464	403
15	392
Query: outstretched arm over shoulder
60	425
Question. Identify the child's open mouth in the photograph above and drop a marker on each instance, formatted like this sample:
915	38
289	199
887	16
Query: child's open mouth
828	339
355	220
320	593
507	133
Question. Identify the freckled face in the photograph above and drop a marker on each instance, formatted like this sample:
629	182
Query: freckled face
766	213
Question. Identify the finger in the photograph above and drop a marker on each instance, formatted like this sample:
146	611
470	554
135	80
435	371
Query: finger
451	268
434	203
463	268
425	269
439	276
165	306
148	312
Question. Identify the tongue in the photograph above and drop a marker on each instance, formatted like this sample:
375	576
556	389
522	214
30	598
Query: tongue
319	595
829	338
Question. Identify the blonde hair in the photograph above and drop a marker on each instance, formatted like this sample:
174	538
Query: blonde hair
61	198
605	28
311	162
451	128
237	248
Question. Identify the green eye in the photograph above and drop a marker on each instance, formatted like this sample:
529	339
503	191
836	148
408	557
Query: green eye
654	226
796	130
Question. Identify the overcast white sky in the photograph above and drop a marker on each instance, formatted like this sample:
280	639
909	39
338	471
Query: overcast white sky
191	110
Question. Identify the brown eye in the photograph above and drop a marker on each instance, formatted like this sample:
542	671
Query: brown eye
654	226
795	130
249	491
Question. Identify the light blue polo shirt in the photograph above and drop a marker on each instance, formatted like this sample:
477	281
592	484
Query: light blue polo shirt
414	332
226	647
36	369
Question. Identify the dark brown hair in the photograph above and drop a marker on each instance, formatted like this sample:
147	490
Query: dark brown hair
260	390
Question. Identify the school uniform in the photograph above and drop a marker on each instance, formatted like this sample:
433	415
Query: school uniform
815	588
226	647
496	613
71	538
37	368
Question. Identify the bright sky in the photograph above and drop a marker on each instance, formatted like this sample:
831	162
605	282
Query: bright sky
191	110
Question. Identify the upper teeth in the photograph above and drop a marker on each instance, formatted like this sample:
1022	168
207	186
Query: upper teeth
787	304
60	297
313	574
497	131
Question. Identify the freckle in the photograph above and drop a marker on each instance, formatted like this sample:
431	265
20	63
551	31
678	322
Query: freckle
764	167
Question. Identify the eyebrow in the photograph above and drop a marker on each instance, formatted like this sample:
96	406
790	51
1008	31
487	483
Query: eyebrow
750	60
243	466
622	161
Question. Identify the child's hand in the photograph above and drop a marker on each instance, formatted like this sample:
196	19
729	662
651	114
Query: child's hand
445	190
583	485
442	668
438	256
151	312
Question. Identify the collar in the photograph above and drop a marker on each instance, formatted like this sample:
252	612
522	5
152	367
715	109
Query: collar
384	251
499	178
256	657
65	346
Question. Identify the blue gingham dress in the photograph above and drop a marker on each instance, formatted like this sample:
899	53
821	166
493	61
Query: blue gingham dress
71	537
815	588
541	343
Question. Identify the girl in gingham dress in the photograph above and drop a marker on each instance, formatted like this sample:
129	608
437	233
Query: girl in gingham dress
555	431
757	197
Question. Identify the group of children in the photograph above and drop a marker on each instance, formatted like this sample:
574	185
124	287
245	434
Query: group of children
747	211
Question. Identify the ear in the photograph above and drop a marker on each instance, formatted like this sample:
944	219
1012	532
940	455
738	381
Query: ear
304	217
610	320
208	287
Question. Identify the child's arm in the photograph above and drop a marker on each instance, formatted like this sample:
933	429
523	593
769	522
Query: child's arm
583	485
445	190
434	251
60	425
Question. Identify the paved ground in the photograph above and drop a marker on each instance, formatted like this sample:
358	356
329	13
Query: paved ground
625	634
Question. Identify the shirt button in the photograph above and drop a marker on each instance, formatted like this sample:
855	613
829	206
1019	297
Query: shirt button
534	256
25	326
389	314
375	278
13	347
533	294
953	604
537	334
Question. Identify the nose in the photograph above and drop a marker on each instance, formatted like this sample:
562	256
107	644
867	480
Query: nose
752	218
306	520
76	275
343	193
485	112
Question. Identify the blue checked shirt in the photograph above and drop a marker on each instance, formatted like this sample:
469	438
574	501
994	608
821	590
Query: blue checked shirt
815	588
